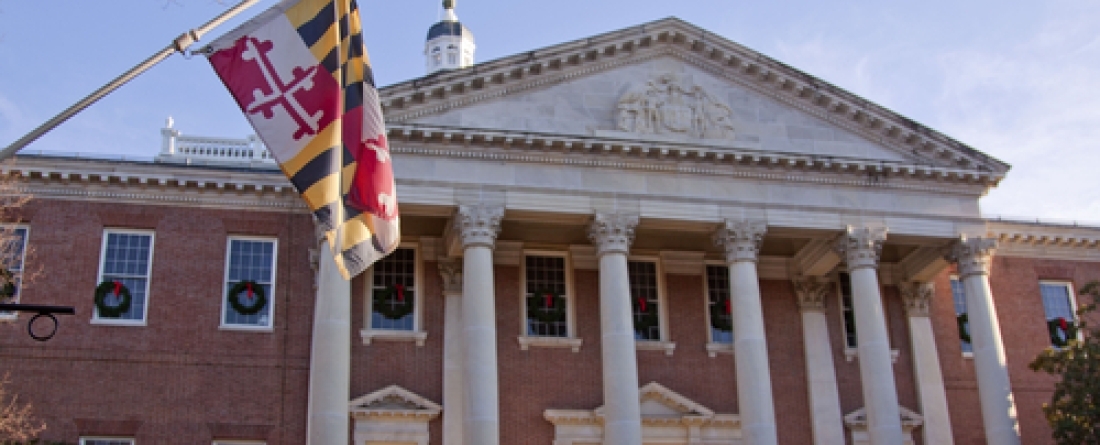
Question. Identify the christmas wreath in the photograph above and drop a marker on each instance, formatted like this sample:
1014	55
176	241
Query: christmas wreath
7	289
120	292
721	316
255	297
392	303
964	330
1061	331
645	315
546	306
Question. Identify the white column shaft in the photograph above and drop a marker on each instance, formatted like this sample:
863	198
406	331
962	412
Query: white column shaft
754	383
876	368
330	356
623	415
926	368
453	387
828	421
482	410
994	387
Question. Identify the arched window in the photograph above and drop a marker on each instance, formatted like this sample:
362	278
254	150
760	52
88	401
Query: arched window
452	55
437	56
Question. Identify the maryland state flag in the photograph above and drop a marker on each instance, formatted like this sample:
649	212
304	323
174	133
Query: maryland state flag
301	74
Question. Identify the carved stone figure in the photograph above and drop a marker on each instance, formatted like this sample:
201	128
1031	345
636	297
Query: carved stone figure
669	104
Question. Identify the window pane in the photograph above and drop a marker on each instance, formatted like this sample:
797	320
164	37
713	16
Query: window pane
959	294
645	300
12	256
718	299
1057	304
126	260
545	278
393	299
846	307
250	260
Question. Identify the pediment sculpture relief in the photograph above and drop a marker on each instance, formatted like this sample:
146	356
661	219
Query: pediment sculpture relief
672	105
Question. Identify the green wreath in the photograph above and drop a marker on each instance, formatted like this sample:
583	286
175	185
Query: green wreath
546	306
384	299
645	315
1061	332
964	331
253	291
7	289
717	320
119	290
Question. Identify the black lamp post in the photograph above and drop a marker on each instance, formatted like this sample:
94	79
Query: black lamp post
40	312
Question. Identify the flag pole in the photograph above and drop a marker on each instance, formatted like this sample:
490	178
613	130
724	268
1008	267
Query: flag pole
178	45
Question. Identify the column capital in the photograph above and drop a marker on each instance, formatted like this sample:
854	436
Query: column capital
451	271
973	255
740	239
612	232
811	293
917	297
478	225
861	246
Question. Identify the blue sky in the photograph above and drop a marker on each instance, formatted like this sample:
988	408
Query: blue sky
1018	80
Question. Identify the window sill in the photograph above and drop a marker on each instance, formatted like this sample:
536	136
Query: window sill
526	342
851	354
8	317
969	355
246	328
713	349
370	335
650	345
110	322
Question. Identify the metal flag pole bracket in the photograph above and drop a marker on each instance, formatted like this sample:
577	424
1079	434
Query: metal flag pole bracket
41	312
179	45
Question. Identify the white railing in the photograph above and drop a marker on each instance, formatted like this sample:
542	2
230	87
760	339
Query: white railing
202	149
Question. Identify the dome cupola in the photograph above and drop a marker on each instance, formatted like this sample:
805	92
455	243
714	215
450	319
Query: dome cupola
450	44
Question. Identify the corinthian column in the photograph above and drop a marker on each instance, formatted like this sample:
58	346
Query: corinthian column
330	355
612	235
453	388
926	364
741	241
828	421
477	226
994	389
861	248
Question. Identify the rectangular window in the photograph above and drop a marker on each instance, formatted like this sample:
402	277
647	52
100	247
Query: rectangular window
720	318
12	255
547	300
393	296
249	296
126	263
105	441
1059	307
645	300
239	442
849	315
958	292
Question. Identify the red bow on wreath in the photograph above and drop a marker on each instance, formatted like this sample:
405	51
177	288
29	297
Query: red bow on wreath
549	300
641	304
248	287
400	292
118	288
1062	324
729	310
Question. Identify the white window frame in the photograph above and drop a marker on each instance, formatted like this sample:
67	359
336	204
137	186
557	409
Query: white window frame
1072	300
951	279
84	440
270	327
417	334
714	348
17	275
570	340
850	352
148	280
662	344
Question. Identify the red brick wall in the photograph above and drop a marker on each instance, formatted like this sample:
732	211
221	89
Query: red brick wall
179	379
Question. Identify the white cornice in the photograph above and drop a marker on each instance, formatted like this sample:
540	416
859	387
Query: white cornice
707	51
513	146
1045	240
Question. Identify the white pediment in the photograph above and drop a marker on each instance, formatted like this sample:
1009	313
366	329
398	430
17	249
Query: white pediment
393	401
662	83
